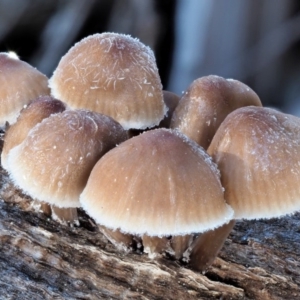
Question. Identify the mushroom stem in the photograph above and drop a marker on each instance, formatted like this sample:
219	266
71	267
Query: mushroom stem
206	247
154	245
122	241
65	215
180	244
43	207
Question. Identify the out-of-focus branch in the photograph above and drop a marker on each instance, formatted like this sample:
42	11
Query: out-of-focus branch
61	30
10	14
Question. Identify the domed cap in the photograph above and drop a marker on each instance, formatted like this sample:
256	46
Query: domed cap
158	183
206	103
53	163
258	153
113	74
20	83
34	113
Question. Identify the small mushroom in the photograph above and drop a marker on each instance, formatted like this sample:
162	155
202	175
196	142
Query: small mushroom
157	185
20	83
206	246
257	151
34	113
205	105
53	163
113	74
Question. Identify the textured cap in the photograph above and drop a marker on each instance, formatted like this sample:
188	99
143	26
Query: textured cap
34	113
158	183
113	74
53	163
206	103
20	83
258	153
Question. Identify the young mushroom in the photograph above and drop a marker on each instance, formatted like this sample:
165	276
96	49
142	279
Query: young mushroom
20	84
159	186
113	74
53	163
258	153
205	105
32	114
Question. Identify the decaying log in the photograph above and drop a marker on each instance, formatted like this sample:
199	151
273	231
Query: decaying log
41	259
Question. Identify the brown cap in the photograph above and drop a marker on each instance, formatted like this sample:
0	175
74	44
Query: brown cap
53	163
20	83
113	74
158	183
34	113
258	153
206	103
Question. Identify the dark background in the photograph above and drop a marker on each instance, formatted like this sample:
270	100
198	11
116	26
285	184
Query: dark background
255	41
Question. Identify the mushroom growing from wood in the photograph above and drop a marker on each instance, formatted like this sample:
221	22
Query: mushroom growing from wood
32	114
257	151
20	83
53	163
160	186
205	105
113	74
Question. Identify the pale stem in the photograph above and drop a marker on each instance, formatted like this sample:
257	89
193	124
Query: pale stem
43	207
65	215
154	245
122	241
206	247
180	243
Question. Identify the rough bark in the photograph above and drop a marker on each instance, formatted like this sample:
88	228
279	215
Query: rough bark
40	259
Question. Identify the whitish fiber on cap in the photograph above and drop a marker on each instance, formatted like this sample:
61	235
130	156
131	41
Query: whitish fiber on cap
158	183
112	74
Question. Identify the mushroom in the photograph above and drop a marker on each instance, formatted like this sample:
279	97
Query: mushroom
258	153
113	74
206	103
54	161
158	185
34	113
20	84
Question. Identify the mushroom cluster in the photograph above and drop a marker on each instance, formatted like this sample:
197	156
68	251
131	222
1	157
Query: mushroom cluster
197	164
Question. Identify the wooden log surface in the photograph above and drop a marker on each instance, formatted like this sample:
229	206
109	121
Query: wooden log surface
41	259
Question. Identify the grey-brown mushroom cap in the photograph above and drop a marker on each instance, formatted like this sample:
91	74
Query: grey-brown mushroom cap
113	74
158	183
258	153
40	108
53	163
206	103
20	84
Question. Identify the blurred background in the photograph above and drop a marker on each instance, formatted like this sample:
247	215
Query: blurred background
254	41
